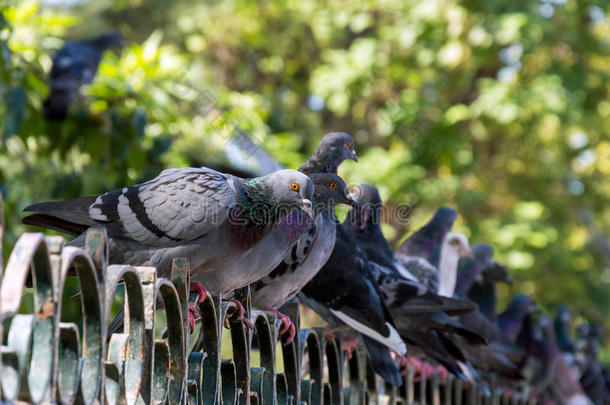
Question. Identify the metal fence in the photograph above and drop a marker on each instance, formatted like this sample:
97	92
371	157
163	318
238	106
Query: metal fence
45	359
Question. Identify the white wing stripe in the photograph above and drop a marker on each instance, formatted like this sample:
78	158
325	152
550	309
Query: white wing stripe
394	341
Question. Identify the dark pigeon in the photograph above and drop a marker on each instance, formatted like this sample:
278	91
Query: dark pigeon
477	278
562	324
75	65
343	292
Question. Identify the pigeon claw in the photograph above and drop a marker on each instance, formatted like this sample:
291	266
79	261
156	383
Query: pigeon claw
239	314
349	345
287	325
194	315
442	372
419	368
403	365
200	289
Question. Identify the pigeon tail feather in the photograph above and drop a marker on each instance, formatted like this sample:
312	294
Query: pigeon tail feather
381	361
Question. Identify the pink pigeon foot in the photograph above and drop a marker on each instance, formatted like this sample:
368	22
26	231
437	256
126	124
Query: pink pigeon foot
418	367
287	325
194	314
403	365
200	289
349	345
442	372
240	315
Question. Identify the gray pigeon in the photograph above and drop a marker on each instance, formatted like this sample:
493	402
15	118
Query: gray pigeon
212	219
75	65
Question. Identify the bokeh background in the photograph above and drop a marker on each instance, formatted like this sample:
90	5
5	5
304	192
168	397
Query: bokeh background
498	108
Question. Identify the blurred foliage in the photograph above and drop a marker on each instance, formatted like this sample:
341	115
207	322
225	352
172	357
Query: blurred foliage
500	109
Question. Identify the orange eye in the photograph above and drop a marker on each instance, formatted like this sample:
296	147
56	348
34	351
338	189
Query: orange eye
333	186
348	145
294	186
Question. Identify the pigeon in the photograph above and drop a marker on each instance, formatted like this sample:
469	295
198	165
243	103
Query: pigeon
518	324
333	149
343	292
477	278
510	320
75	65
421	253
212	219
538	339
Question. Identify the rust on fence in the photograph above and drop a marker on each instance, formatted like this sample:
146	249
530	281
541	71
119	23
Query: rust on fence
45	359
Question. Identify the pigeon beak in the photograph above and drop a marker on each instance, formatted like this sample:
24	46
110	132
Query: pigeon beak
307	206
354	156
467	252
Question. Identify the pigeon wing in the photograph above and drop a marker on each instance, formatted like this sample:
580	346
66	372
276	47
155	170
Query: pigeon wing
177	206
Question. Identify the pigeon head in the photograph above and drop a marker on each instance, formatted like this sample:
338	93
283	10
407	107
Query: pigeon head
491	271
521	306
332	150
518	311
329	190
458	244
497	272
291	189
366	214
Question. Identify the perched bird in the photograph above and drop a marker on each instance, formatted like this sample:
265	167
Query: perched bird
211	218
305	256
426	241
511	319
405	294
477	278
75	65
343	292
